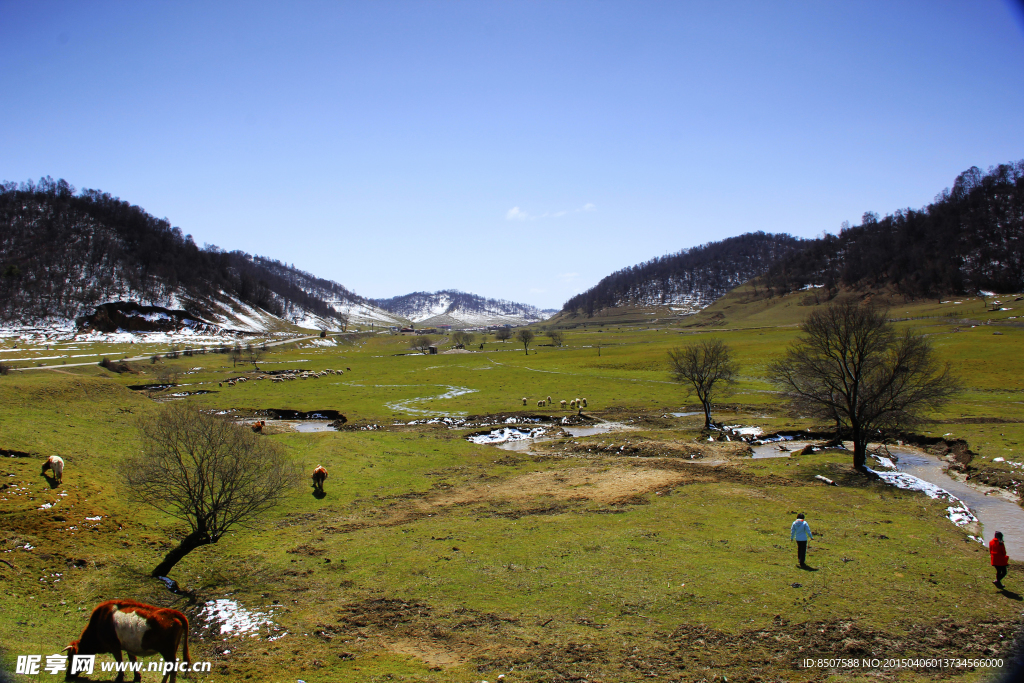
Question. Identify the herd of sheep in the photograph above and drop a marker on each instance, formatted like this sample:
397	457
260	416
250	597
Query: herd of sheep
573	404
287	375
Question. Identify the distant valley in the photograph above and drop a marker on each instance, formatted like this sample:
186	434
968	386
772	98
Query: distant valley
91	261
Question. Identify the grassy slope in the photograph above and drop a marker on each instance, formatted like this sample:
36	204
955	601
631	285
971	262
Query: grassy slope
551	566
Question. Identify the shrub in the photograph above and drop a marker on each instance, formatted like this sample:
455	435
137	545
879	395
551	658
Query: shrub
115	366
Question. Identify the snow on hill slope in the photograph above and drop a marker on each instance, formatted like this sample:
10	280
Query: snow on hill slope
460	309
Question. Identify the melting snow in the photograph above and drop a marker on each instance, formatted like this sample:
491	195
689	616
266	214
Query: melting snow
235	619
958	512
742	431
506	434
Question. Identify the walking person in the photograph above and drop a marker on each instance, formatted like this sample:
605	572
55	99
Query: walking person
999	558
801	533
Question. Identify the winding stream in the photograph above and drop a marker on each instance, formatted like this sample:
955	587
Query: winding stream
405	406
995	512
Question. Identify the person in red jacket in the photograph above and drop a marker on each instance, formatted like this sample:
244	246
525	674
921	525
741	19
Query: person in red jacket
999	558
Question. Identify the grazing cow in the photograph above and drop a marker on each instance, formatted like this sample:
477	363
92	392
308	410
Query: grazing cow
562	403
319	475
524	400
56	465
136	628
584	402
258	426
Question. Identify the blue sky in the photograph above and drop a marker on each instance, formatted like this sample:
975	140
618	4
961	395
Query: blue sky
518	150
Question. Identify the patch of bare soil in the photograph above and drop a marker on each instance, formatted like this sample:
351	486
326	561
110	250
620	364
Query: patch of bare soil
694	652
414	629
601	484
1003	479
645	448
690	652
977	421
614	482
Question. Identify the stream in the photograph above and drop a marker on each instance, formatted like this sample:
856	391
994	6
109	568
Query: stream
995	512
523	445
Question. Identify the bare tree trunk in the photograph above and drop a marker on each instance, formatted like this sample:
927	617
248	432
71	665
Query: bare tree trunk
860	450
187	545
707	414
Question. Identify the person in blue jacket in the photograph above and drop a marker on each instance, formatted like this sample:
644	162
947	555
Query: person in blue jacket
801	533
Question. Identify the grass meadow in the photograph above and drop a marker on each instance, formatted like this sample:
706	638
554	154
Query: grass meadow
604	558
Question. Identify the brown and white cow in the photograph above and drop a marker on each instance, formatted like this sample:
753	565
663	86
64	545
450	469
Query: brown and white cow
319	475
136	628
56	465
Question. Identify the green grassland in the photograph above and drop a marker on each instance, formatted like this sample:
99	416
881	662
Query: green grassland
435	559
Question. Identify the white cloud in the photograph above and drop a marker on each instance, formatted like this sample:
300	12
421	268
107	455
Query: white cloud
517	214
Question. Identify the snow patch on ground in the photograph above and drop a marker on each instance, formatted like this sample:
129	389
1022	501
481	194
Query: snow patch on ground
235	620
506	434
744	431
957	512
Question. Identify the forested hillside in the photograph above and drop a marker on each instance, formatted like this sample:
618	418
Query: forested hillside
62	253
694	277
970	238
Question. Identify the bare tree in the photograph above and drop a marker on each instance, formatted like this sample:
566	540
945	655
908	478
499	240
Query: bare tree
167	374
236	354
557	337
705	368
343	320
525	336
254	354
460	338
852	367
503	333
210	473
421	343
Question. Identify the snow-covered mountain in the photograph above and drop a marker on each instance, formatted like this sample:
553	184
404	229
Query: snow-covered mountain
460	309
344	307
92	261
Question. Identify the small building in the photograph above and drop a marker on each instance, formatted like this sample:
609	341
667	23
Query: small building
433	349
